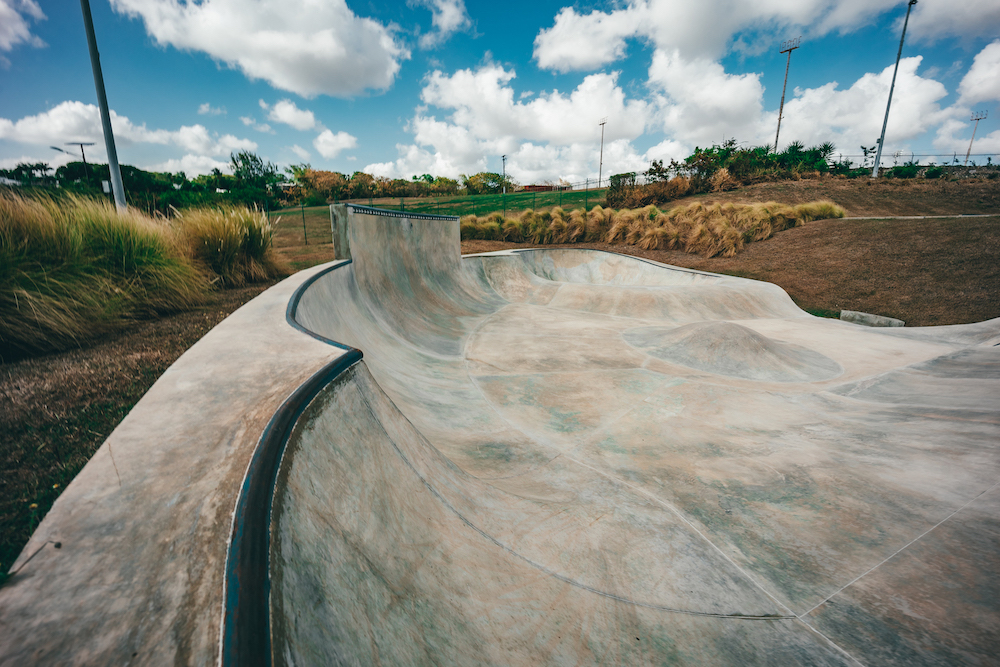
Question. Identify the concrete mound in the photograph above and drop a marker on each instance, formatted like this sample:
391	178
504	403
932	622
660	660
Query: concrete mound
733	350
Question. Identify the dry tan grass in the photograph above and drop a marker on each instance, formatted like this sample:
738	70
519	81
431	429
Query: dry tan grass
708	230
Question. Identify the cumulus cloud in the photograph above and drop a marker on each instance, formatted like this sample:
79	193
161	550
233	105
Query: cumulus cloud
483	102
702	103
982	82
302	46
207	109
285	111
555	135
302	153
936	19
448	17
853	117
252	123
708	29
330	145
76	121
14	28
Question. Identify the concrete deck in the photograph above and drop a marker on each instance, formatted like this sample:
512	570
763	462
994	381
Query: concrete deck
546	457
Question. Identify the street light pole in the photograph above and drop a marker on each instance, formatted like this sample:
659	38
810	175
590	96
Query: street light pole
881	141
786	47
102	100
503	185
977	116
600	168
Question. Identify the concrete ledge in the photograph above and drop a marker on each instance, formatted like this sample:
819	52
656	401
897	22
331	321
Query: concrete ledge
144	528
869	320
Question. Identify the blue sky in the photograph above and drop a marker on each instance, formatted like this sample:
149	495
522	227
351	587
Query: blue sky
446	87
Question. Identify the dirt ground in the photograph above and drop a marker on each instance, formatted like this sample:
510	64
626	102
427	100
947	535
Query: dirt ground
924	272
56	410
864	197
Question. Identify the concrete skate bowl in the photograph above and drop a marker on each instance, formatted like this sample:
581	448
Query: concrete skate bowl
547	456
574	457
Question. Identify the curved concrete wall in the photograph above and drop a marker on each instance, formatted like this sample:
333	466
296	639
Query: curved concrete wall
571	456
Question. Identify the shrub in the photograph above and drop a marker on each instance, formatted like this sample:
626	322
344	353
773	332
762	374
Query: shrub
710	230
934	172
74	269
234	242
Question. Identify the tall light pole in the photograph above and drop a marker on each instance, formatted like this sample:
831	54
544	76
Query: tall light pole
881	141
977	116
102	100
503	185
81	144
600	168
786	47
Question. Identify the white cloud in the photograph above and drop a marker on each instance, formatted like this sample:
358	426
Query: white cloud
583	42
301	152
449	16
191	165
553	136
303	46
982	82
707	29
853	117
329	145
700	103
207	109
285	111
76	121
483	102
14	28
936	19
251	122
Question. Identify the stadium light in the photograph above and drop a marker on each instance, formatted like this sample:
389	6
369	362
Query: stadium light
786	47
977	116
102	100
600	168
881	141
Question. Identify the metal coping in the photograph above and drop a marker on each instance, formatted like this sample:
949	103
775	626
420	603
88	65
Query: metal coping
389	213
246	620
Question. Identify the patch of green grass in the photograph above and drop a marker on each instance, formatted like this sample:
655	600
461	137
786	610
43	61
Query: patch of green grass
235	242
823	312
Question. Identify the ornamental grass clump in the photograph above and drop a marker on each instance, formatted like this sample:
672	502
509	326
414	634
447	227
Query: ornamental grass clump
75	268
233	242
705	229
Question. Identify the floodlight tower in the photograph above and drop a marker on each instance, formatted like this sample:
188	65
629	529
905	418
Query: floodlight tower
976	116
600	168
878	154
102	100
786	47
81	144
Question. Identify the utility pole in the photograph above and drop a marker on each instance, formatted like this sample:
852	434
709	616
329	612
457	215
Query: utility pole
786	47
102	100
881	141
503	185
976	116
600	168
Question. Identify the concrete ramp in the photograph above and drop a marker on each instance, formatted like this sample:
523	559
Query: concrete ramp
575	457
546	456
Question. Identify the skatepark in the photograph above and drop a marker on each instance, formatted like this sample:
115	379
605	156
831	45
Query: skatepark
539	456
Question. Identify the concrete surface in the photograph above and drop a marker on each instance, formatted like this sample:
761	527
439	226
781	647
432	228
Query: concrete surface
546	457
870	320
